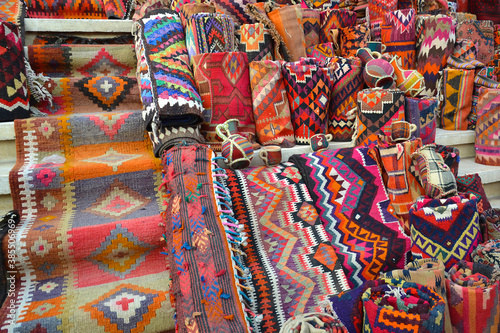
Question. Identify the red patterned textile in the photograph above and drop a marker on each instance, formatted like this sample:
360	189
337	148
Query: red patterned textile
334	19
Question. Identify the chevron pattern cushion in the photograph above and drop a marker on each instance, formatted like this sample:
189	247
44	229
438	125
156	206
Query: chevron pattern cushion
458	88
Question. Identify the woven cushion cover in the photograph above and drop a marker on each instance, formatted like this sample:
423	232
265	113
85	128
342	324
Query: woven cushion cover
488	123
398	35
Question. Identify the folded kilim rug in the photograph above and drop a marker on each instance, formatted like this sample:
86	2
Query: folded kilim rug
79	9
353	205
90	238
292	263
86	78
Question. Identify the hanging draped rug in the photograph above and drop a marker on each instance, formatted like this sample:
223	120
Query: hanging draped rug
79	9
273	123
435	41
86	78
89	242
203	244
398	35
348	81
293	265
223	81
347	189
474	300
488	124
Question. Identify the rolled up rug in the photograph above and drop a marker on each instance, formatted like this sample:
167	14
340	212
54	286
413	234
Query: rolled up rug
200	235
273	123
321	51
376	11
446	229
168	91
288	23
427	272
334	19
398	36
488	253
487	142
482	79
209	33
377	109
348	81
492	217
399	306
224	84
473	297
256	41
458	85
435	41
426	108
311	26
308	90
189	9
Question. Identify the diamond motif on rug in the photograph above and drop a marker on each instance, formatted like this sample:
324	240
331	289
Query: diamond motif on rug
110	124
121	252
101	64
112	158
117	201
105	91
127	306
308	213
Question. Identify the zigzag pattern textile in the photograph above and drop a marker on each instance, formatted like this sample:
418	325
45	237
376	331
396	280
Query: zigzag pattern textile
482	34
89	238
311	26
256	41
426	272
435	41
288	250
168	90
13	11
446	229
198	228
348	81
209	33
80	9
472	184
353	205
398	35
14	94
377	110
236	9
177	5
308	88
321	52
400	179
458	88
273	122
465	49
334	19
189	9
474	300
223	81
426	109
487	141
376	11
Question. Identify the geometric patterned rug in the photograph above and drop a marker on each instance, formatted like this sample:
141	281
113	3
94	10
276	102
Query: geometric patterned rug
90	238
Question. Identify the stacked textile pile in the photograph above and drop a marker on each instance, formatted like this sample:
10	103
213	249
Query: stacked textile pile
88	246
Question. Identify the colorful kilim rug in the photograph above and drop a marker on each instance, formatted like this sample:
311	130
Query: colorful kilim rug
465	49
308	90
399	177
321	52
446	229
347	189
377	110
472	184
168	92
14	94
474	300
13	11
203	243
334	19
177	5
79	9
189	9
488	253
209	33
273	123
236	9
485	10
256	41
426	108
435	41
293	265
488	124
402	306
288	23
223	81
398	36
89	241
311	25
481	33
352	39
458	85
348	81
376	11
412	115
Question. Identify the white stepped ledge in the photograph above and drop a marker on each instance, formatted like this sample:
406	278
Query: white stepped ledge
488	173
7	132
77	25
